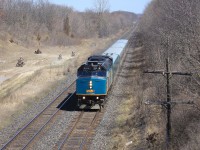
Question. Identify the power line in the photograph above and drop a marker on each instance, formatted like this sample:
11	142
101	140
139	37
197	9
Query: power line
168	103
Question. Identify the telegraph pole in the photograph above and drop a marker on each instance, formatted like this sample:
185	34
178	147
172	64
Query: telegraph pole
167	104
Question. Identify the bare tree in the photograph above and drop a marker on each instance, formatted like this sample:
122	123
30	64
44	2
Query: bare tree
101	6
23	19
102	9
66	25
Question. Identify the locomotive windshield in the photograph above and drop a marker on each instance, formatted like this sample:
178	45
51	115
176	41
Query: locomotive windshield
95	66
91	69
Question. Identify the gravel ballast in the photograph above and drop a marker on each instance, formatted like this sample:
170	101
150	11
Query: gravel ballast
121	91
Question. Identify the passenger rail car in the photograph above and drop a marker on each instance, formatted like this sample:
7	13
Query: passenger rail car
95	77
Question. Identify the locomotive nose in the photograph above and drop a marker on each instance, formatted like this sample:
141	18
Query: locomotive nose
91	86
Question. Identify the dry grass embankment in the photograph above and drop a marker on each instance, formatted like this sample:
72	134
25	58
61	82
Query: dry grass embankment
170	29
130	121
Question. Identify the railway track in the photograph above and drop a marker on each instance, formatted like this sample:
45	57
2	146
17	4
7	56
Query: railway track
79	135
27	134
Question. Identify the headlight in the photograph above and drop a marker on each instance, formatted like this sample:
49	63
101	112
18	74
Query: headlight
83	97
97	97
90	84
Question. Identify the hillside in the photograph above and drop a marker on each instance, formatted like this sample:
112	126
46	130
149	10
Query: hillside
128	16
170	29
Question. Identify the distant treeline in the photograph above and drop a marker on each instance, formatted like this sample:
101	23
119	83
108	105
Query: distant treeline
58	25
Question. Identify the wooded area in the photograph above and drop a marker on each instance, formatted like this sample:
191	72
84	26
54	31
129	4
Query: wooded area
24	20
170	29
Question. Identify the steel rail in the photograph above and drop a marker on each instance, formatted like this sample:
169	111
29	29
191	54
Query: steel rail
37	116
74	127
83	143
70	131
47	122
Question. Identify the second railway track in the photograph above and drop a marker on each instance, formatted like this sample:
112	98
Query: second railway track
27	134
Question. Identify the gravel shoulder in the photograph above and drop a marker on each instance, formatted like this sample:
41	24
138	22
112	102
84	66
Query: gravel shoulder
123	105
114	101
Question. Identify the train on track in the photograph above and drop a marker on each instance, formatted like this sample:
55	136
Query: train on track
96	75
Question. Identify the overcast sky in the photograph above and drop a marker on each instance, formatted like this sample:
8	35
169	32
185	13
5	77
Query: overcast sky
136	6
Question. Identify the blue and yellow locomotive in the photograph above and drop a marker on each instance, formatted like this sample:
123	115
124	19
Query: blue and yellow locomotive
95	77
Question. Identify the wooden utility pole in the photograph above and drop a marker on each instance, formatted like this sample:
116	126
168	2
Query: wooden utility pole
167	104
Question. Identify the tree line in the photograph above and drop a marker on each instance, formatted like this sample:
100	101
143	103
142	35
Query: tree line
57	24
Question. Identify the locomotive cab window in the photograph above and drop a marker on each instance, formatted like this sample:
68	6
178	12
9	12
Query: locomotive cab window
91	70
95	66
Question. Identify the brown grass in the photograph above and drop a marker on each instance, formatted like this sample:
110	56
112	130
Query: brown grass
129	121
